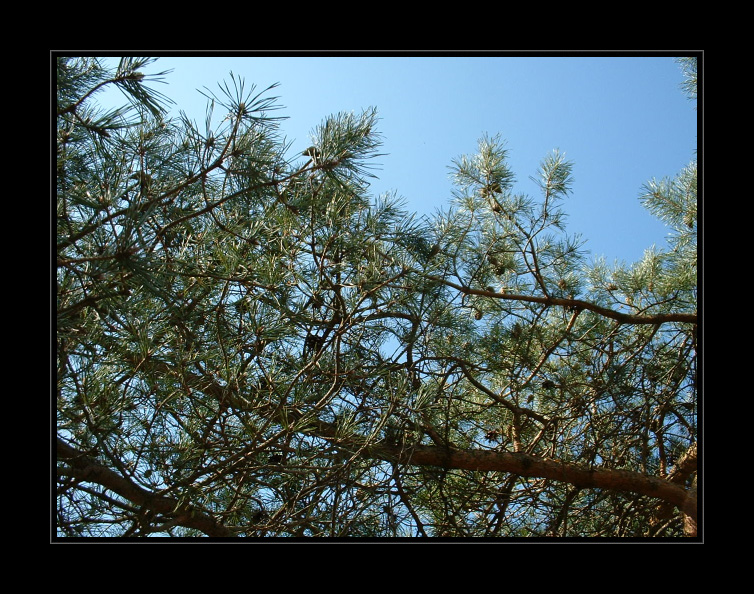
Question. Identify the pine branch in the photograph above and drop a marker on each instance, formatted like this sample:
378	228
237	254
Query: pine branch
83	468
577	304
533	466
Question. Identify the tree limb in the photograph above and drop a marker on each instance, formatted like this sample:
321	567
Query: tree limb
623	318
84	468
533	466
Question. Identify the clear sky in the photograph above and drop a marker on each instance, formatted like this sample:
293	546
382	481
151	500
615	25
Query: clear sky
622	120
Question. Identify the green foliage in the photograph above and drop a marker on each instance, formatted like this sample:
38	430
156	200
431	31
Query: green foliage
689	69
263	348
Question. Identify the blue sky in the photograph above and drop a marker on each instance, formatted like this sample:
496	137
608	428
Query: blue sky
622	120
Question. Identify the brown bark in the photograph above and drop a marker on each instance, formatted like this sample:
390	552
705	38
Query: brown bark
84	468
533	466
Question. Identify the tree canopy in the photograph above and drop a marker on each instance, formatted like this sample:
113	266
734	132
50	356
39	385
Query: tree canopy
250	344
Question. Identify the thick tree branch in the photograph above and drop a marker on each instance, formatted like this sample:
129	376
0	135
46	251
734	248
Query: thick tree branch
533	466
683	470
84	468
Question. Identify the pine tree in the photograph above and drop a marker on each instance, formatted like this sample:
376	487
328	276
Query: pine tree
250	344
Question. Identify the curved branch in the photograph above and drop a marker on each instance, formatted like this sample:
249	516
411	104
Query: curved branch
84	468
533	466
684	469
574	303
